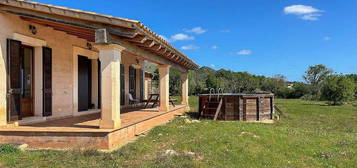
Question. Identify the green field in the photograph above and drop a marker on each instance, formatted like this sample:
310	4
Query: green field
311	135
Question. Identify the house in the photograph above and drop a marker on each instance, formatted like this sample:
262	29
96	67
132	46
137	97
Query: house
290	85
65	76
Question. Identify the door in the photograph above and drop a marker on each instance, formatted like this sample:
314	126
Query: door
13	80
132	81
27	81
84	83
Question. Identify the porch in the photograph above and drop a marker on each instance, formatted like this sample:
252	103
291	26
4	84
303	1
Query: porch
78	72
83	132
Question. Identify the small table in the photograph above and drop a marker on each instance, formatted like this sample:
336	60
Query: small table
154	98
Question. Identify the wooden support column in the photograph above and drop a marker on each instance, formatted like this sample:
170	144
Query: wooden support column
184	87
110	57
164	71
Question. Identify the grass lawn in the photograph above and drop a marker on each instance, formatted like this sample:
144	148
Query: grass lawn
312	135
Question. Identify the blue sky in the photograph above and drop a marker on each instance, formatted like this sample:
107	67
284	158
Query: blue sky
264	37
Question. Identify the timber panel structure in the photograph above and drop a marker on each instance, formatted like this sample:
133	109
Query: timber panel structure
243	107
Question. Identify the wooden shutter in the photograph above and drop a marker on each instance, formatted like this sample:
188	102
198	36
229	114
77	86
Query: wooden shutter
142	80
13	80
47	81
99	84
132	81
122	84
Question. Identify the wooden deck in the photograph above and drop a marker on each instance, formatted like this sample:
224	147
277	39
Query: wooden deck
80	130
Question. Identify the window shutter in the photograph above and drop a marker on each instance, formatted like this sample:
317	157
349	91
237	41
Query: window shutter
122	84
13	80
142	79
47	81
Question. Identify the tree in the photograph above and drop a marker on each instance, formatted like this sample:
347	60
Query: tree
353	77
175	83
274	84
299	89
212	81
338	89
315	75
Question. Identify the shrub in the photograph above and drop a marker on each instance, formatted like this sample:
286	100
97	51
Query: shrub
7	148
337	89
284	93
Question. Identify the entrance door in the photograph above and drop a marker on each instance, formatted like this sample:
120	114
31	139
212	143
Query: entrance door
20	75
84	83
27	81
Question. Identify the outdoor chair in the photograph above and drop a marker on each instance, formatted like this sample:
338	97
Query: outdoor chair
132	101
172	101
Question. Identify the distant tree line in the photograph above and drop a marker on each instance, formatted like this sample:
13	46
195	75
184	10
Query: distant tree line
320	83
202	80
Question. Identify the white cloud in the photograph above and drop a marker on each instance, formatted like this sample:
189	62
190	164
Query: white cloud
214	47
212	66
197	30
243	52
190	47
327	38
303	12
181	36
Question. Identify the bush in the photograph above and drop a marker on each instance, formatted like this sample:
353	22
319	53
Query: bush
7	148
284	93
337	89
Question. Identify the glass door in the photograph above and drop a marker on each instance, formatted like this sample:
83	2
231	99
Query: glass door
27	81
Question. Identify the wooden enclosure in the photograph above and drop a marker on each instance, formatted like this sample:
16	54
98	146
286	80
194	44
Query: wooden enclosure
242	107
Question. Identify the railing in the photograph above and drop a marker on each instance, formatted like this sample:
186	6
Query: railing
219	89
210	93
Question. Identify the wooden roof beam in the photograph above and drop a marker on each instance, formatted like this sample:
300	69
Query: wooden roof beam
144	43
137	37
167	53
155	46
140	52
162	51
172	55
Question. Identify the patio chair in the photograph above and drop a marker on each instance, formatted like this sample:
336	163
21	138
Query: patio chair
133	101
172	101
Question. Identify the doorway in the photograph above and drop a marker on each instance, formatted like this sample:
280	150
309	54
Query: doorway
84	84
26	81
